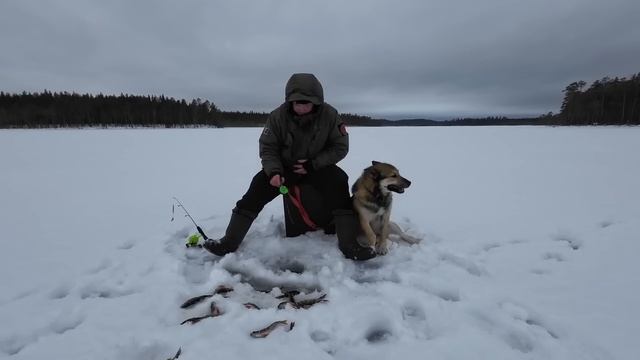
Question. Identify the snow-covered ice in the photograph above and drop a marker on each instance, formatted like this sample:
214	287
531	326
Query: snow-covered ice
530	244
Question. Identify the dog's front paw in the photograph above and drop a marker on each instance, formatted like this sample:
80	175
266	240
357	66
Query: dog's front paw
364	241
382	248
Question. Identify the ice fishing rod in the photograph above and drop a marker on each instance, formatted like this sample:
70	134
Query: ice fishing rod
204	236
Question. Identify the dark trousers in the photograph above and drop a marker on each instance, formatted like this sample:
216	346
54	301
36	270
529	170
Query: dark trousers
330	181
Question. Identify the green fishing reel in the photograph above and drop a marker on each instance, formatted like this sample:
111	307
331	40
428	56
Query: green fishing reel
194	241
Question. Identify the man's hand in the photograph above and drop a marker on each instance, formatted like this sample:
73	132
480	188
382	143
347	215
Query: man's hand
276	180
301	168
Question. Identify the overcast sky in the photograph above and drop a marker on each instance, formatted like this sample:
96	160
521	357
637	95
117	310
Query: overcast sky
415	58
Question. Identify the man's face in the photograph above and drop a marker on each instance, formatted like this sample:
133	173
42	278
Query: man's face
302	107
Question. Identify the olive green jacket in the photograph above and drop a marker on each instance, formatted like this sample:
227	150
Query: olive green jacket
319	137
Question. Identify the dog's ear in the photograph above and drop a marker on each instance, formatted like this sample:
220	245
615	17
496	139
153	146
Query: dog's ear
374	173
374	163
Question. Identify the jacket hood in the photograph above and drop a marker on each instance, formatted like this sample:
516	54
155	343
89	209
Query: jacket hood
304	87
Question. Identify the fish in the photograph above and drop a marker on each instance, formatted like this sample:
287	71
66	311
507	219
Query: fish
290	295
194	320
305	304
251	306
194	300
283	305
263	333
214	311
221	289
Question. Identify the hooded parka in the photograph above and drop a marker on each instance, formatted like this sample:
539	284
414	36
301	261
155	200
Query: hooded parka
319	137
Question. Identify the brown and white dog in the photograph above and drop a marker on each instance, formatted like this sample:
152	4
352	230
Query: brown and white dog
372	200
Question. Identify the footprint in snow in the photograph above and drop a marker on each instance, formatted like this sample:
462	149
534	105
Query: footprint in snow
423	324
415	319
13	344
529	317
105	291
61	291
325	340
445	293
103	265
320	336
21	295
66	322
379	330
413	313
16	343
372	277
518	327
605	224
487	247
539	271
491	246
466	264
378	334
497	324
136	349
127	245
571	240
553	256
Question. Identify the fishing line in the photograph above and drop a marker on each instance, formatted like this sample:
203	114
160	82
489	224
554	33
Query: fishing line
204	236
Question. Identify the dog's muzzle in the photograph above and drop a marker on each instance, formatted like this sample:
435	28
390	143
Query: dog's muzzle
399	188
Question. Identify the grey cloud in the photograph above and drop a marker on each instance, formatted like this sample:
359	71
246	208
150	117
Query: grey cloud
383	58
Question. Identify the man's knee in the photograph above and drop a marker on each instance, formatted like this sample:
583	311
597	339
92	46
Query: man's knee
334	174
259	194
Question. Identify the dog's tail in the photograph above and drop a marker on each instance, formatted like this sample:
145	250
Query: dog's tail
397	230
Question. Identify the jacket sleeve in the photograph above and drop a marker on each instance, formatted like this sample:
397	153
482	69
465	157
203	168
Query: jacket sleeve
337	145
269	145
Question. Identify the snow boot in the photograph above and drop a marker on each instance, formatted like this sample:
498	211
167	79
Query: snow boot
347	229
330	228
238	227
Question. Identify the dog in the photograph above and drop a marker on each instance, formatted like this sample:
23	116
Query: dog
372	200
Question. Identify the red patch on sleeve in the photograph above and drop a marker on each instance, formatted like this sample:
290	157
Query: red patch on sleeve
343	129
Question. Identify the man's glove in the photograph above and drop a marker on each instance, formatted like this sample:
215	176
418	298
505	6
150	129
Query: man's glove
303	167
308	166
275	179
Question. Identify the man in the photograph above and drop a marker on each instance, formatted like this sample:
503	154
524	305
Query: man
301	142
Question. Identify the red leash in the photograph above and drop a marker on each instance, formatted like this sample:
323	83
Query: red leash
297	202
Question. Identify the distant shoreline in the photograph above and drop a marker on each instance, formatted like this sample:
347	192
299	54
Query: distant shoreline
606	102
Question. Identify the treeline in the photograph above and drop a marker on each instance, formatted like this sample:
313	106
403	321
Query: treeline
605	102
492	121
53	110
